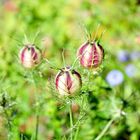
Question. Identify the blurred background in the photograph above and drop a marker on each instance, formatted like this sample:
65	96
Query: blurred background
60	25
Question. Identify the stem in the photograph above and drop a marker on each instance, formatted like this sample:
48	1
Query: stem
104	130
76	134
37	115
63	58
52	66
71	122
37	124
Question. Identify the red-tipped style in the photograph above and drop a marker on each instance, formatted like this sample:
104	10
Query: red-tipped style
90	54
29	56
68	81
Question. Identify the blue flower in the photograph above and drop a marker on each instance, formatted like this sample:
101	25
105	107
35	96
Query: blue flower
130	70
135	55
114	78
123	56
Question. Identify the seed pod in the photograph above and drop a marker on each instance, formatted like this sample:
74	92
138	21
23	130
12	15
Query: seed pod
68	81
29	56
91	54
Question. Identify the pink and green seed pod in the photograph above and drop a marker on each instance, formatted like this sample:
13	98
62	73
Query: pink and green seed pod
68	81
91	54
29	56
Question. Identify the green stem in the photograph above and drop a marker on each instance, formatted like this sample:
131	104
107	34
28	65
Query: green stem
71	122
104	130
76	134
37	115
37	124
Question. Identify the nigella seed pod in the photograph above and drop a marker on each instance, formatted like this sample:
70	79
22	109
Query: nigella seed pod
29	56
68	81
90	54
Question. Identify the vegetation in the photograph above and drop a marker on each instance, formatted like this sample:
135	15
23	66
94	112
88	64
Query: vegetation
107	107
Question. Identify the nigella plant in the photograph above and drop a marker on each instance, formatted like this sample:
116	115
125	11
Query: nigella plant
68	81
30	56
91	53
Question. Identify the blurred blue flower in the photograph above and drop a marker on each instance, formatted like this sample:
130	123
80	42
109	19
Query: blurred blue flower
130	70
123	56
135	55
114	78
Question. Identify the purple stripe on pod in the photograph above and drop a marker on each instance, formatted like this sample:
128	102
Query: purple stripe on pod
57	78
82	59
78	75
91	57
33	53
81	52
68	80
96	56
35	56
82	48
22	54
102	50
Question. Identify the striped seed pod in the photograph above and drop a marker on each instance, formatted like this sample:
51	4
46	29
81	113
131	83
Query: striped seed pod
29	56
68	81
90	54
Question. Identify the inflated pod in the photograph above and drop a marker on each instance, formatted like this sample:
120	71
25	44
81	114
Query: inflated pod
68	81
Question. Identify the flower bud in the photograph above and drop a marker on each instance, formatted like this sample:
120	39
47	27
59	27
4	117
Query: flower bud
29	56
68	81
91	54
